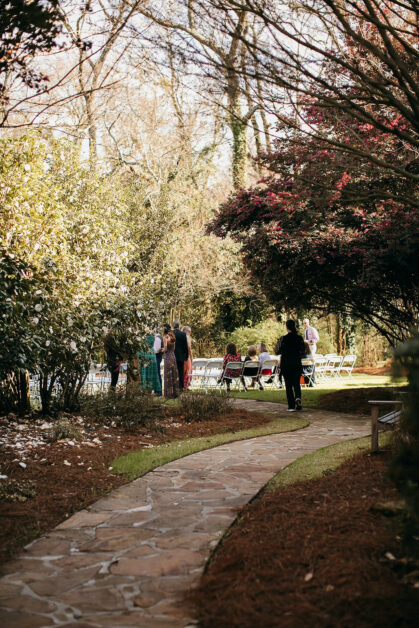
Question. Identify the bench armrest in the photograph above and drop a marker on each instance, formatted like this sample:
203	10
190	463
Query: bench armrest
386	403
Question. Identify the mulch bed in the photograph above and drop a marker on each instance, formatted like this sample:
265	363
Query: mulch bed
69	475
313	554
355	400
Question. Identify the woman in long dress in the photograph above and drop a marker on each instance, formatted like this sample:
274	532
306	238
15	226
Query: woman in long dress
171	376
149	378
187	369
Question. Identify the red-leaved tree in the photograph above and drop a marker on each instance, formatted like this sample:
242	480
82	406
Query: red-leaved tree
330	230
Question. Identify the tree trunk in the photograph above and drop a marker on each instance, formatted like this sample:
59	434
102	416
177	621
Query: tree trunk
239	133
24	401
91	129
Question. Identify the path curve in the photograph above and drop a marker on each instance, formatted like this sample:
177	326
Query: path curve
128	559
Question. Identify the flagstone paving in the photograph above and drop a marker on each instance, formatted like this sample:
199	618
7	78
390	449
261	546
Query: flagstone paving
129	558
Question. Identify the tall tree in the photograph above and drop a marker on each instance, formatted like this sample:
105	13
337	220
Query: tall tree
218	55
355	57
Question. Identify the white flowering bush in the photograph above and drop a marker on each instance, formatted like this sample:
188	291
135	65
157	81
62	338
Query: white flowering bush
80	254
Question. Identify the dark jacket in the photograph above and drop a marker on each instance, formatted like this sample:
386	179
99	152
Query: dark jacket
181	348
291	349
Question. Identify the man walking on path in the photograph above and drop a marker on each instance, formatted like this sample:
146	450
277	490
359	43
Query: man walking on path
311	335
181	352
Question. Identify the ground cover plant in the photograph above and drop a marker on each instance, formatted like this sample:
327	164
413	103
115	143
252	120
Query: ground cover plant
318	552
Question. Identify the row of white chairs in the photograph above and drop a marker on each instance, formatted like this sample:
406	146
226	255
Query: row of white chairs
333	366
209	373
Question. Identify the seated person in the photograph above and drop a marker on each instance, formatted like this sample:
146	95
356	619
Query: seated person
263	355
308	370
251	357
232	355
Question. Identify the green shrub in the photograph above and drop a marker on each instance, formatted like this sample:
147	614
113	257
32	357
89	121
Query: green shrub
204	406
63	429
129	407
17	490
268	331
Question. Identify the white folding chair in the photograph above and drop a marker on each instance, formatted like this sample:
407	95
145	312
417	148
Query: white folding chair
213	373
309	363
197	374
269	373
347	365
320	364
333	364
234	372
250	371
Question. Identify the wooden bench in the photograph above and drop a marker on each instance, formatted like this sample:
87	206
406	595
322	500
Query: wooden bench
388	419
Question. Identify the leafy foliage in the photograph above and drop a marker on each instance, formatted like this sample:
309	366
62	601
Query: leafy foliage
77	267
26	28
129	408
197	407
324	231
64	429
17	490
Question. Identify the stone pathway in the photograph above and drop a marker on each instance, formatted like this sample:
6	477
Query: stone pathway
128	559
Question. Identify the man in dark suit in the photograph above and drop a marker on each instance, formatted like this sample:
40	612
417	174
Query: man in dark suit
181	351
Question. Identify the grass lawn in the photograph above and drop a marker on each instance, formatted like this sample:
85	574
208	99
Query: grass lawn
323	461
138	463
311	396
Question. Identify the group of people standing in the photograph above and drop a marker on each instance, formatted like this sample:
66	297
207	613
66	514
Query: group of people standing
174	345
176	349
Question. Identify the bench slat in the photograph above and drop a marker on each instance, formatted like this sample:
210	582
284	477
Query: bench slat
390	418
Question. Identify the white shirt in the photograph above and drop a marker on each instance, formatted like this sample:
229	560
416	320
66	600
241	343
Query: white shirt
157	344
311	335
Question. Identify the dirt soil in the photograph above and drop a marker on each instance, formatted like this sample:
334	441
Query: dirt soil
69	475
374	370
355	400
314	554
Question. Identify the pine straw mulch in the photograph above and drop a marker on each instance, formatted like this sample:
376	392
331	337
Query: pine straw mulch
355	400
313	554
69	475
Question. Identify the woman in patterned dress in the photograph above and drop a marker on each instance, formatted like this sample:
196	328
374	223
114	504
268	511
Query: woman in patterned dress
171	376
231	355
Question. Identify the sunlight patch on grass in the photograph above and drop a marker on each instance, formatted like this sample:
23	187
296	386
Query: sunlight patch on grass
138	463
323	461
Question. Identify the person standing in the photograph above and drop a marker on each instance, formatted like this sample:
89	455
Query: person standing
113	357
158	351
311	335
149	379
171	377
187	368
181	351
291	349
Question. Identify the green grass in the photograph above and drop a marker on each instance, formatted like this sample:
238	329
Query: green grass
138	463
311	396
323	461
